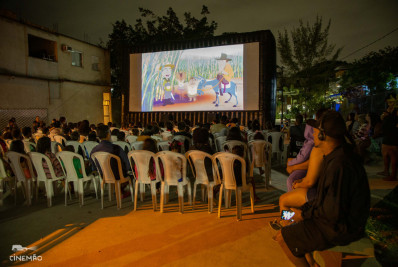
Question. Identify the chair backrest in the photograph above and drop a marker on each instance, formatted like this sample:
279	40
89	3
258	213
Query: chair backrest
233	143
226	161
103	162
219	142
76	146
16	167
186	141
137	145
260	152
113	138
28	146
174	167
88	146
60	139
157	138
37	159
163	146
131	138
166	136
196	159
276	139
142	159
66	157
124	145
56	147
250	136
3	173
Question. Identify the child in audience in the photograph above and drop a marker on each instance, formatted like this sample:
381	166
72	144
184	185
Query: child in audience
18	146
44	147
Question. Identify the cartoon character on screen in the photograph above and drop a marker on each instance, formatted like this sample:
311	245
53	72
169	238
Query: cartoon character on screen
225	72
166	71
181	76
193	88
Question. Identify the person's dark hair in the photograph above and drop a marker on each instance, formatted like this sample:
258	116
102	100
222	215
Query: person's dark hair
62	119
319	113
258	136
74	136
92	136
27	132
200	136
84	128
44	145
66	130
121	136
333	125
7	135
92	127
234	120
311	122
102	131
16	133
57	124
250	125
169	126
234	134
69	148
207	126
115	132
109	124
255	125
299	119
17	146
176	145
238	150
135	131
147	131
155	130
161	124
181	126
150	145
45	130
352	116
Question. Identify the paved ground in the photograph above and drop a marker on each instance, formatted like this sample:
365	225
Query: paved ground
77	236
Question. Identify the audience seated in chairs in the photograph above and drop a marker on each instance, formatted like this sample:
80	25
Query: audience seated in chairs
44	147
338	214
297	135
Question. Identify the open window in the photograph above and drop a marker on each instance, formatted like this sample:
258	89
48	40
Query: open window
42	48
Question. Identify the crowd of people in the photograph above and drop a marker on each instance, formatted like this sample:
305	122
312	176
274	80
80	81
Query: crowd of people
328	190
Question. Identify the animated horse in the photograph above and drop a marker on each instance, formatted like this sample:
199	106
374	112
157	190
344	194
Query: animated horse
215	86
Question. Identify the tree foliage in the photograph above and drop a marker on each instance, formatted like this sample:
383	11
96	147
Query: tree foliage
304	52
151	28
376	70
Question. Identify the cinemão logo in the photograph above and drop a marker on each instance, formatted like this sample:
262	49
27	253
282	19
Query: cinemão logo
18	248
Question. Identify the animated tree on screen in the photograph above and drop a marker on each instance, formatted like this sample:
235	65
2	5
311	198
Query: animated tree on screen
195	79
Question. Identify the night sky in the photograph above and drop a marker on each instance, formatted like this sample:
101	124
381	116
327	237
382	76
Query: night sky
355	23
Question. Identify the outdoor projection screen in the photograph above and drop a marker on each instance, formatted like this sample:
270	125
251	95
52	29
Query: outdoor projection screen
194	79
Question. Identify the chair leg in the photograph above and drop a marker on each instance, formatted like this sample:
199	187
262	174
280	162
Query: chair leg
210	197
118	194
238	194
194	195
153	193
48	185
131	183
142	190
66	192
95	188
203	192
162	196
226	198
252	198
102	195
180	197
220	200
166	193
136	195
189	193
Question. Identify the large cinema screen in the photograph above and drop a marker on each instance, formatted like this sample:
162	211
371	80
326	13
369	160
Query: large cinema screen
201	79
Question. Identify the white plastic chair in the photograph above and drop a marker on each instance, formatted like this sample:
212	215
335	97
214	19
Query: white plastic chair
37	159
124	145
60	139
228	183
66	157
131	138
260	157
14	159
174	168
4	178
76	146
113	138
163	146
196	159
56	147
220	142
157	138
142	159
88	147
182	139
28	146
230	144
167	136
103	162
137	145
276	139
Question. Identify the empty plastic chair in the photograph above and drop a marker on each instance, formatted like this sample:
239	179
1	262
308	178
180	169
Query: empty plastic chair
175	174
103	162
72	175
19	172
142	160
260	153
228	180
196	159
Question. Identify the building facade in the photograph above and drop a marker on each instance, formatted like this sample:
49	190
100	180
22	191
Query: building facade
47	74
